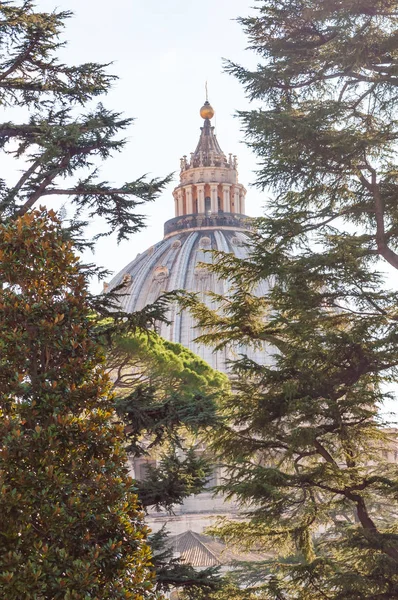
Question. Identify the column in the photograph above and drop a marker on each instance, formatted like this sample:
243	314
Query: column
236	200
188	197
201	198
180	202
214	199
242	203
226	190
175	204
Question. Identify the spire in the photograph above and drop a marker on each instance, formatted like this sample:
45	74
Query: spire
208	152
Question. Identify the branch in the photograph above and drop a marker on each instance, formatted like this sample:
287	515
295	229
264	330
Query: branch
11	130
370	301
25	177
52	175
338	74
20	59
325	454
82	191
354	312
372	186
361	509
363	96
46	181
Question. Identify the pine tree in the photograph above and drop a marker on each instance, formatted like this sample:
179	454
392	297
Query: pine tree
71	526
164	392
58	139
303	438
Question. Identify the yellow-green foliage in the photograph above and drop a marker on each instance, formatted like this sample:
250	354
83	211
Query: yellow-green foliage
168	399
149	358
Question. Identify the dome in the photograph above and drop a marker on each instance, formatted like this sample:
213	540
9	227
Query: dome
209	215
174	263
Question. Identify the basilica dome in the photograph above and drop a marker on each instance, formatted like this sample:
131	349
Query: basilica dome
209	215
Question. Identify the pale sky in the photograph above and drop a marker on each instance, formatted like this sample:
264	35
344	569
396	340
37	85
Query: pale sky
163	52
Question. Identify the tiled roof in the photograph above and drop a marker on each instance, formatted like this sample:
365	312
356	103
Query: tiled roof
203	551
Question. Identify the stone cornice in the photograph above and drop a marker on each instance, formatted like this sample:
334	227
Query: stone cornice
194	222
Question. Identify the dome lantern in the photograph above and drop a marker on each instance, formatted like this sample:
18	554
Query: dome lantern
209	186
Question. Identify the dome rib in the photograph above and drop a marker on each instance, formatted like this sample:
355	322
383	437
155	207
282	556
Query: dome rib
180	279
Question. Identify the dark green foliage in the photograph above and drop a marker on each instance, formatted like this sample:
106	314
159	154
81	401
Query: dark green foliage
58	138
71	526
305	445
325	136
175	478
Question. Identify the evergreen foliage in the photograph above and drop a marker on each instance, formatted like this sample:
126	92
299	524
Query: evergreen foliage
303	439
71	525
63	132
162	387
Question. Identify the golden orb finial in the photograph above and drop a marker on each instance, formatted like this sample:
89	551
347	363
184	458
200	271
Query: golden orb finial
207	111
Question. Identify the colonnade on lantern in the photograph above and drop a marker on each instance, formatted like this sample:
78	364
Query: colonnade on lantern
209	198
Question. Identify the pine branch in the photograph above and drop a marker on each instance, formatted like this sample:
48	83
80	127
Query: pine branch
374	188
